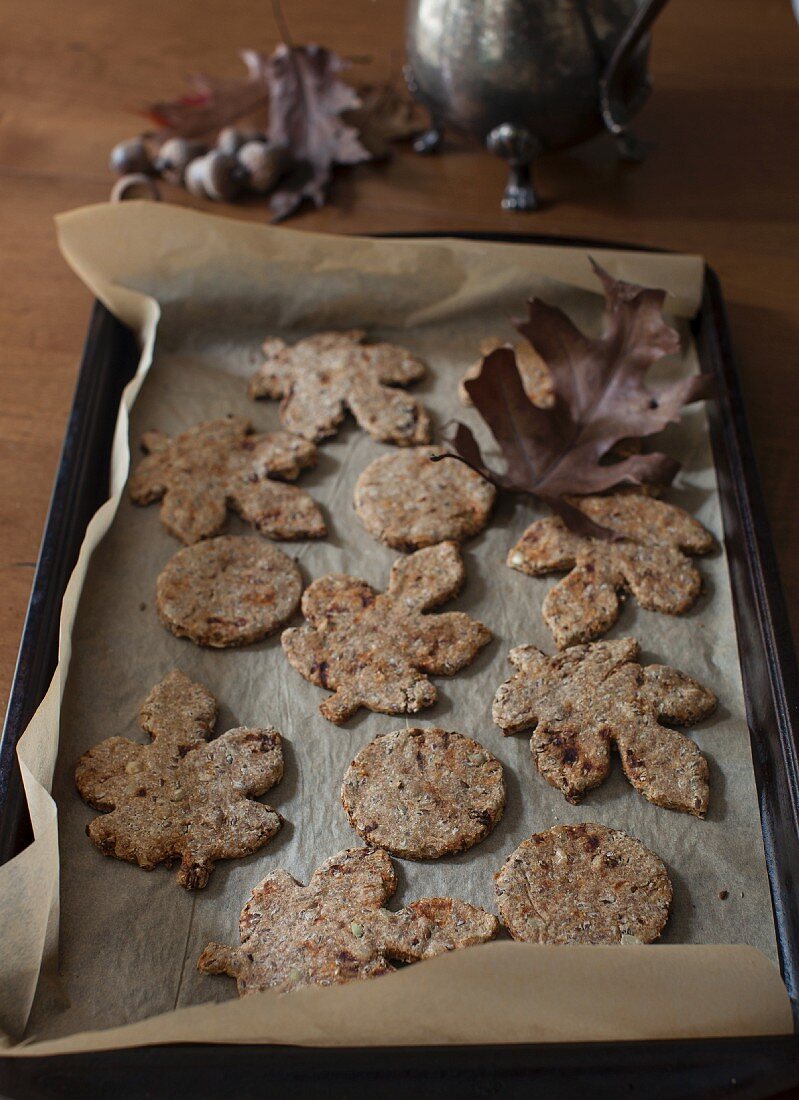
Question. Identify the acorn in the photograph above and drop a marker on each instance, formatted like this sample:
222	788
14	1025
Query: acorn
263	164
130	157
174	157
231	138
216	176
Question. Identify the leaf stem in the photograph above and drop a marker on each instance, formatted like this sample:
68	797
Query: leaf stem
282	25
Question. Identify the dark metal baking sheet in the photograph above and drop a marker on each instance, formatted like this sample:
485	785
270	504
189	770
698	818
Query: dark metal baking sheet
757	1067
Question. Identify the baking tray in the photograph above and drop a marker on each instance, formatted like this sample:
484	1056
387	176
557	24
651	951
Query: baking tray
757	1067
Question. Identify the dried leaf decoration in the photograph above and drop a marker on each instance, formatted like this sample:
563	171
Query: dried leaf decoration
600	400
307	100
213	104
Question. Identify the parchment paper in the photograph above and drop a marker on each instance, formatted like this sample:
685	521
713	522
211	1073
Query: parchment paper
129	940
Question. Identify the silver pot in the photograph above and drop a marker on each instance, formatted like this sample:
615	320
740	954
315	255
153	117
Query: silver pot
524	76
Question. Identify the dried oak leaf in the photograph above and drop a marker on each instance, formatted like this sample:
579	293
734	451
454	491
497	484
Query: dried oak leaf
386	114
307	102
588	697
213	104
223	464
181	796
599	400
376	650
335	929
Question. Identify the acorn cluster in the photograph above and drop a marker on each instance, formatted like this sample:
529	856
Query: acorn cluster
241	161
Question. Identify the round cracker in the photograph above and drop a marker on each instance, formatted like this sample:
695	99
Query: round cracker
583	884
227	591
408	502
423	793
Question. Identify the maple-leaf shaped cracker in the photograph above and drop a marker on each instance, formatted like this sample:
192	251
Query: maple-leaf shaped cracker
581	701
222	464
181	796
323	375
532	369
645	559
599	400
335	929
374	649
306	103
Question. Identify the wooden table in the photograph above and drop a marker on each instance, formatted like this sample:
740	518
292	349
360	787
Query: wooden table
722	179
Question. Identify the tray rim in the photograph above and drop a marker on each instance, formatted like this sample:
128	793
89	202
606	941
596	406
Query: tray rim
108	343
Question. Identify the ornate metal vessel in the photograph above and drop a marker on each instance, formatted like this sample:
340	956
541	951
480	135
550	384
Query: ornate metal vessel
524	76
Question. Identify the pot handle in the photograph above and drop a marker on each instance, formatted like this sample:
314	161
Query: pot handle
616	113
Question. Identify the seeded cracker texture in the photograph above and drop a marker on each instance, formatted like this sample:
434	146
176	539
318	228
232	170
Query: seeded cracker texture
583	884
227	591
374	649
589	697
182	797
222	464
319	378
408	501
647	560
534	373
423	793
334	930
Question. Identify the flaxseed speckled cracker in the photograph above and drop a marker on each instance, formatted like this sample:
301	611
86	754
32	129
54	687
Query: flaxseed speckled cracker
408	501
534	373
585	699
335	929
222	464
647	560
227	591
182	797
375	649
319	378
423	793
583	884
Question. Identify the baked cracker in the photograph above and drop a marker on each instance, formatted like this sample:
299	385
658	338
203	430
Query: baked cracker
408	501
319	378
423	793
227	591
375	649
647	560
583	884
335	929
222	464
587	698
182	797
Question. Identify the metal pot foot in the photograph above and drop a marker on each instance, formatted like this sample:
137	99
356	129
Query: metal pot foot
519	147
430	141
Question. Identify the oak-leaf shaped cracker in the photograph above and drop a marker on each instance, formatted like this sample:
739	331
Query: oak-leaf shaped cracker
319	378
646	558
580	702
335	929
374	649
182	796
222	464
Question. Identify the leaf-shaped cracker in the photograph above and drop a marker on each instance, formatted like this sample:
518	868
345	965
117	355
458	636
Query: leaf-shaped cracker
319	378
181	796
222	464
334	930
581	701
645	558
307	101
374	649
599	400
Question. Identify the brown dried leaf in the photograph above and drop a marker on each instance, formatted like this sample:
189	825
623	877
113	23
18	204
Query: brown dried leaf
307	103
213	104
600	399
386	114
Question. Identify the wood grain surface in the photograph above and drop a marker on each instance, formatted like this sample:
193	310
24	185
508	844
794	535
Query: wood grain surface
721	179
